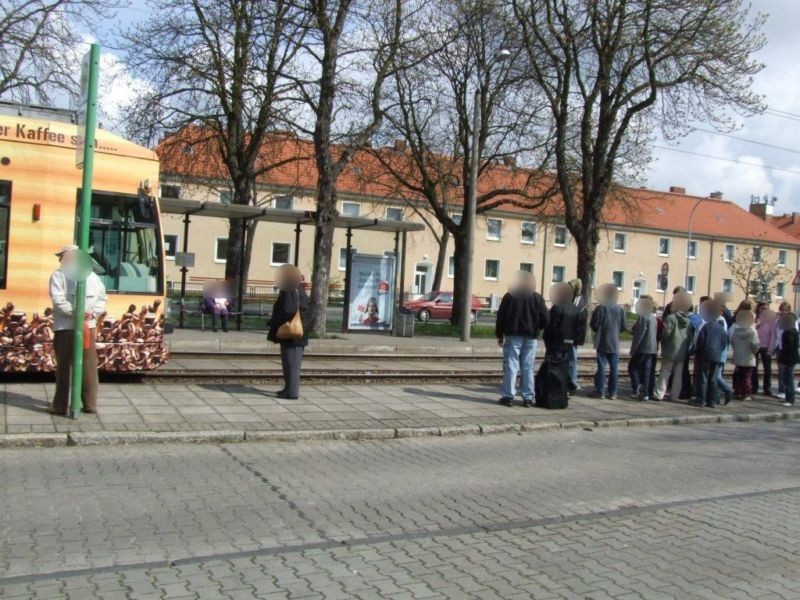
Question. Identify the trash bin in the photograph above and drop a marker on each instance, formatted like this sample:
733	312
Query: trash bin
404	324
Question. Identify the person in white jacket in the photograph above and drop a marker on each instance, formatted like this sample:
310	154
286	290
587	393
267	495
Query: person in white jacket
62	293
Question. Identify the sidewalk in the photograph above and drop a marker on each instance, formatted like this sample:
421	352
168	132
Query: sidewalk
237	412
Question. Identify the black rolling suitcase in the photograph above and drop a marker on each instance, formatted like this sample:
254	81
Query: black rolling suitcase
552	382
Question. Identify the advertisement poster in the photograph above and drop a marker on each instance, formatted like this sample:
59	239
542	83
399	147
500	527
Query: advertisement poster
371	292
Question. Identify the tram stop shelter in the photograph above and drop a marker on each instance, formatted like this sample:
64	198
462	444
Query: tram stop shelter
298	218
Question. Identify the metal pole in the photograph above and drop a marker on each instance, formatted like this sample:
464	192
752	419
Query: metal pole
689	241
403	271
83	231
465	314
297	231
240	291
396	266
348	263
184	268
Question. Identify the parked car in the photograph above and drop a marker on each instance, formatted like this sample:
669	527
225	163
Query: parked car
438	305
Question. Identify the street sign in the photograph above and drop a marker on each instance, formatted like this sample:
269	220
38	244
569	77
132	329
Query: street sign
184	259
796	280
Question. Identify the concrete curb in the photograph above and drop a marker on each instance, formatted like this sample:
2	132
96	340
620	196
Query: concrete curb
110	438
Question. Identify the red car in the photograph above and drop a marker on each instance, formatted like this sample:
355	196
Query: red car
438	305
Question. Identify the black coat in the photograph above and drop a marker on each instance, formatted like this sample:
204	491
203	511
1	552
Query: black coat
284	310
524	315
789	353
566	327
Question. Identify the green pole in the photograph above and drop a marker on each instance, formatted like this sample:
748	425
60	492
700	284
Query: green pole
82	233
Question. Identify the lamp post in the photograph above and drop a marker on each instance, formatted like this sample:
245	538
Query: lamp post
689	241
469	213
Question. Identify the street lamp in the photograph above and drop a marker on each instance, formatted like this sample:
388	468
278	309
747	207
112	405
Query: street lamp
689	240
470	207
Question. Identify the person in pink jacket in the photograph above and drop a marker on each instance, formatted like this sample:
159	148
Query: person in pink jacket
766	324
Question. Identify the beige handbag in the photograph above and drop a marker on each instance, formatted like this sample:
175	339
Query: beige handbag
293	328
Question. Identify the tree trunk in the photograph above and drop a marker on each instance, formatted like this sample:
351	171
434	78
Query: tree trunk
323	248
441	260
460	273
236	268
586	267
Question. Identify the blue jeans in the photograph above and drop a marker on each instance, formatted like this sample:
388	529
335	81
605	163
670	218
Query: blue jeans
722	384
640	369
707	383
519	356
610	361
573	366
786	379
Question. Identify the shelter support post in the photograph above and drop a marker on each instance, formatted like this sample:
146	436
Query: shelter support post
240	291
348	265
184	268
297	231
397	297
403	269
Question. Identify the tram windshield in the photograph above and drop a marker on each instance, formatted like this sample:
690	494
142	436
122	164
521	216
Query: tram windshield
125	243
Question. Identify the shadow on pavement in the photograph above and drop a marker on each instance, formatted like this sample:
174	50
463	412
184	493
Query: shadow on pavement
26	402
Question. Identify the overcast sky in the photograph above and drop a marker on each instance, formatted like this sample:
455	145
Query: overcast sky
779	82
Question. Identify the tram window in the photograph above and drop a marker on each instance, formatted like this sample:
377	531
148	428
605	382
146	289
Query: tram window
125	243
5	209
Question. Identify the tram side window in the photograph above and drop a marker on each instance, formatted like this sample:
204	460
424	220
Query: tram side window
5	217
125	243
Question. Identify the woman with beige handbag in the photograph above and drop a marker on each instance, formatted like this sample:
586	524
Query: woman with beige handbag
289	327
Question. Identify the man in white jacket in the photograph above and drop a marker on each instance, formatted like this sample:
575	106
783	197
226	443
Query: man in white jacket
62	293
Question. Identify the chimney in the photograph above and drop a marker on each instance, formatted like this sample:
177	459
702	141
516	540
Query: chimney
762	207
674	189
715	195
795	218
510	161
399	145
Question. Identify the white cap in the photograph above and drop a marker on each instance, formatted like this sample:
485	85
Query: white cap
67	248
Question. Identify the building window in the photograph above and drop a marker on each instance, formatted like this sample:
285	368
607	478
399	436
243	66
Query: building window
225	196
491	270
528	233
781	258
5	217
451	267
527	267
691	249
394	214
690	283
351	209
618	279
560	236
281	253
494	229
620	242
756	254
559	274
284	202
730	252
170	246
343	257
727	285
221	249
780	290
664	246
456	218
170	191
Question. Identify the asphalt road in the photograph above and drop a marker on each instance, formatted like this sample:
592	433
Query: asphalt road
674	512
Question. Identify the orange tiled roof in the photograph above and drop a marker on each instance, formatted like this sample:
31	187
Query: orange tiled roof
789	223
633	207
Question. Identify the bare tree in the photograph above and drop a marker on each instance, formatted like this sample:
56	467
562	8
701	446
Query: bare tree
756	271
39	43
350	51
217	93
431	113
617	70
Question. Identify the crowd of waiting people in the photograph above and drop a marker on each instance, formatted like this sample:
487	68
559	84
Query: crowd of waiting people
695	344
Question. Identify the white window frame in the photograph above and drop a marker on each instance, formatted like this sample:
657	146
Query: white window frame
669	246
727	282
778	293
691	288
291	202
553	274
760	251
522	232
486	264
219	261
689	244
230	192
563	228
621	285
350	203
725	253
386	213
272	253
532	264
177	239
343	263
782	263
489	236
624	238
451	266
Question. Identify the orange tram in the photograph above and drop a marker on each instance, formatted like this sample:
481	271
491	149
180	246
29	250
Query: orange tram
39	191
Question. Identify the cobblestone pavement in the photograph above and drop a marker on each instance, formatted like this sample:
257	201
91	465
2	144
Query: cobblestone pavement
176	407
701	512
